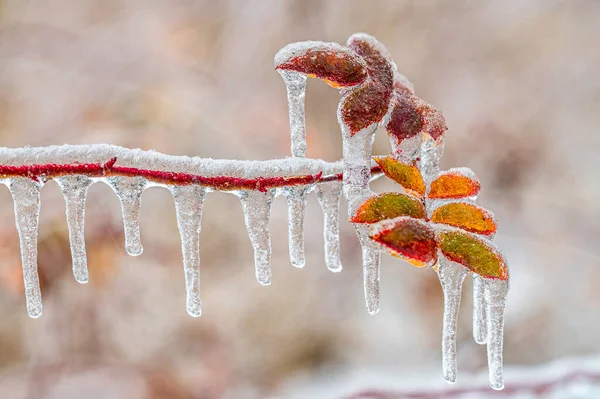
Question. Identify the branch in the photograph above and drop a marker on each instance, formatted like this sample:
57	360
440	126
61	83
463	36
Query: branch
222	175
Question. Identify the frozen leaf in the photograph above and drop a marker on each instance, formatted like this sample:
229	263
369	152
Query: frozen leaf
455	183
469	217
478	254
406	119
331	62
380	66
408	176
435	122
407	238
388	206
364	106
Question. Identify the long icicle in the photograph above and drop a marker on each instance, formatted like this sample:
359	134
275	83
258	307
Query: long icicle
296	201
495	301
257	212
26	197
328	195
479	312
188	208
74	189
451	277
129	190
357	174
295	84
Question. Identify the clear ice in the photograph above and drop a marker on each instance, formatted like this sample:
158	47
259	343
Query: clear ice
451	276
129	190
328	195
495	302
26	197
74	189
295	84
479	313
257	212
357	175
188	208
296	201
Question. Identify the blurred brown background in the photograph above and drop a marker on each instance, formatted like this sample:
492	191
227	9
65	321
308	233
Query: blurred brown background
517	81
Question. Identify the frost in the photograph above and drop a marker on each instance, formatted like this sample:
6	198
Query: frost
188	208
257	212
26	196
74	189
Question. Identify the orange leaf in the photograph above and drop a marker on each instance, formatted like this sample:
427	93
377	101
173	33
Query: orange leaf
477	254
410	239
469	217
332	62
388	206
408	176
455	183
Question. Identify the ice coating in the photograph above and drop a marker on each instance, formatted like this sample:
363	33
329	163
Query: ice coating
74	189
295	84
431	153
257	212
328	195
479	313
296	201
188	208
26	197
451	277
496	291
129	191
357	174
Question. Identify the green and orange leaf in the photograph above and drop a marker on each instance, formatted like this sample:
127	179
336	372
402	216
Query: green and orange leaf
469	217
388	206
408	176
331	62
455	183
407	238
477	254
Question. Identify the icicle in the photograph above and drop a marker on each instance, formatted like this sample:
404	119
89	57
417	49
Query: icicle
26	196
357	174
129	190
451	276
328	195
495	301
74	189
257	212
295	84
188	207
479	317
431	153
296	201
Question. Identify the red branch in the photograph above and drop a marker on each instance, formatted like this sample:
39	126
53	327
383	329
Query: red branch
222	183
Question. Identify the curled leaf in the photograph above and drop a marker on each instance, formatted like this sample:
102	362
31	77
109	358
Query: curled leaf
388	206
408	176
410	239
332	62
477	254
364	106
455	183
469	217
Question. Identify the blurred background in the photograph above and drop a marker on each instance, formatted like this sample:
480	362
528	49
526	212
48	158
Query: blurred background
518	83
